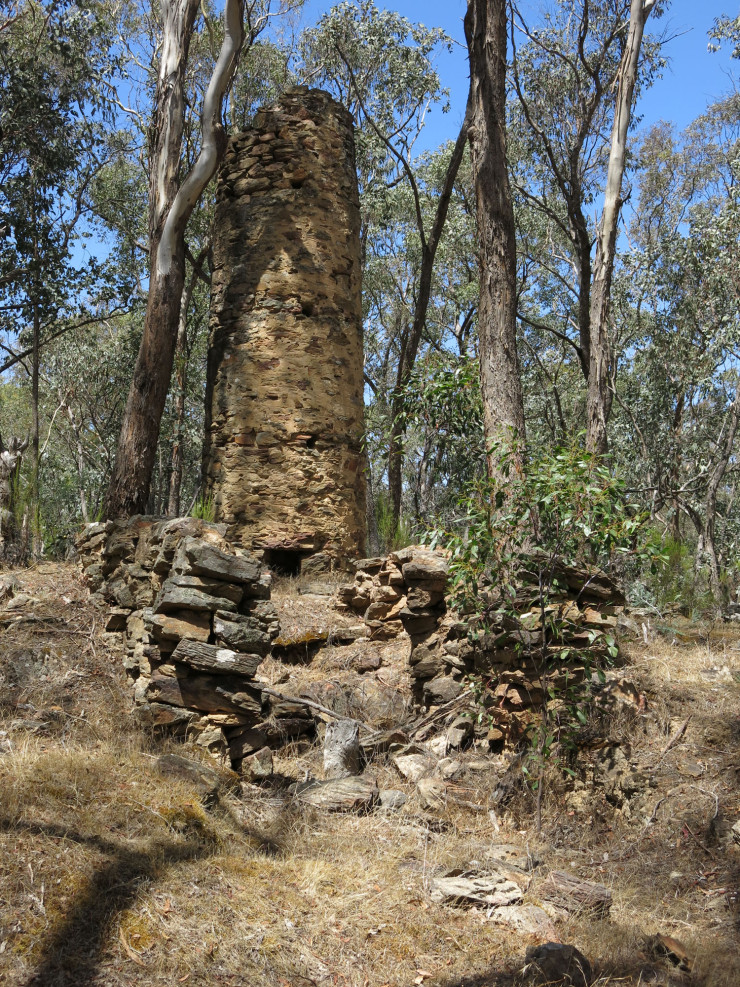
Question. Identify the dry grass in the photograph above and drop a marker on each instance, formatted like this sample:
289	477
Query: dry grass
112	874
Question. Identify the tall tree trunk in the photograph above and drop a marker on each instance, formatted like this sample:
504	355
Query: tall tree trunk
35	505
503	405
709	537
599	397
170	208
373	541
412	338
182	360
35	368
11	456
79	461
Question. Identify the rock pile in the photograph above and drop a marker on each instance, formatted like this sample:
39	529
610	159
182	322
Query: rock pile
403	592
406	592
197	622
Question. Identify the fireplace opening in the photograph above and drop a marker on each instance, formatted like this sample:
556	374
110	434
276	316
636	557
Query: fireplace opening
282	561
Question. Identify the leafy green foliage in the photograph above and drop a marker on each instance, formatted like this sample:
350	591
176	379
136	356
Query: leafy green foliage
526	526
566	506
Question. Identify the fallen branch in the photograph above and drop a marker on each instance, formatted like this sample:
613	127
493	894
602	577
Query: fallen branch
312	705
673	741
438	714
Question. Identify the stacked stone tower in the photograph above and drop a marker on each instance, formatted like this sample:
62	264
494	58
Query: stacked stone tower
284	408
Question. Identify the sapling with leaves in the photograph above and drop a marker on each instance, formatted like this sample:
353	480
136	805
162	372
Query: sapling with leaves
519	539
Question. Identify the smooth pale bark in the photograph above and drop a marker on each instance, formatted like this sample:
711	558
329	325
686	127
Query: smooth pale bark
503	405
599	395
710	500
170	207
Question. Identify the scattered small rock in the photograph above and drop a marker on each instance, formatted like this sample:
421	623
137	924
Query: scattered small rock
414	767
392	798
460	732
209	783
367	663
528	919
432	792
448	768
556	963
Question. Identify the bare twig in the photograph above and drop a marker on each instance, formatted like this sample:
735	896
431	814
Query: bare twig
312	705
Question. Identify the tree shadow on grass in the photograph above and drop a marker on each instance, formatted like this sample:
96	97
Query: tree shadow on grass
72	951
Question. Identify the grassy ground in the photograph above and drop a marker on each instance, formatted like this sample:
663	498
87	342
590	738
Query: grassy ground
113	874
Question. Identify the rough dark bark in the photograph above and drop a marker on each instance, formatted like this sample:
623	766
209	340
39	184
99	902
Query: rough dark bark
503	406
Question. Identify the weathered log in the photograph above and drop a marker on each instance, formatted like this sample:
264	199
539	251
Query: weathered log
342	749
339	794
576	895
211	658
312	705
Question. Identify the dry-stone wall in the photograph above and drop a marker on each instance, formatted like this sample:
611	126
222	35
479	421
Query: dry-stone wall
406	592
197	621
283	456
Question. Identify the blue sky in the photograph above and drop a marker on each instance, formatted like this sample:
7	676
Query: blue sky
693	79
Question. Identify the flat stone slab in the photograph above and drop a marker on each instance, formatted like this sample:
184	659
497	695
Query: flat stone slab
339	794
208	693
173	597
206	560
240	634
492	888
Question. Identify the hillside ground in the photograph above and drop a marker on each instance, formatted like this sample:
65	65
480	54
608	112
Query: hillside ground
112	873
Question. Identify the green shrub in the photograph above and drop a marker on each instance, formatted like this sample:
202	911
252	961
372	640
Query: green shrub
565	508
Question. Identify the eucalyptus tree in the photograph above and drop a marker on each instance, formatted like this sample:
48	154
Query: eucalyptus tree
571	134
172	199
437	457
381	67
679	397
55	67
486	25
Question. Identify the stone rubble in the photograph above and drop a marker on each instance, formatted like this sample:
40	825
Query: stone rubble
197	623
405	592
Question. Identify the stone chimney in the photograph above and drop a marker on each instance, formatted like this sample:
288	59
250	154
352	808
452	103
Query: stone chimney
284	405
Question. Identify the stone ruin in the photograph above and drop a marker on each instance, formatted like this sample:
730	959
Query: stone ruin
284	408
196	619
406	592
197	622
